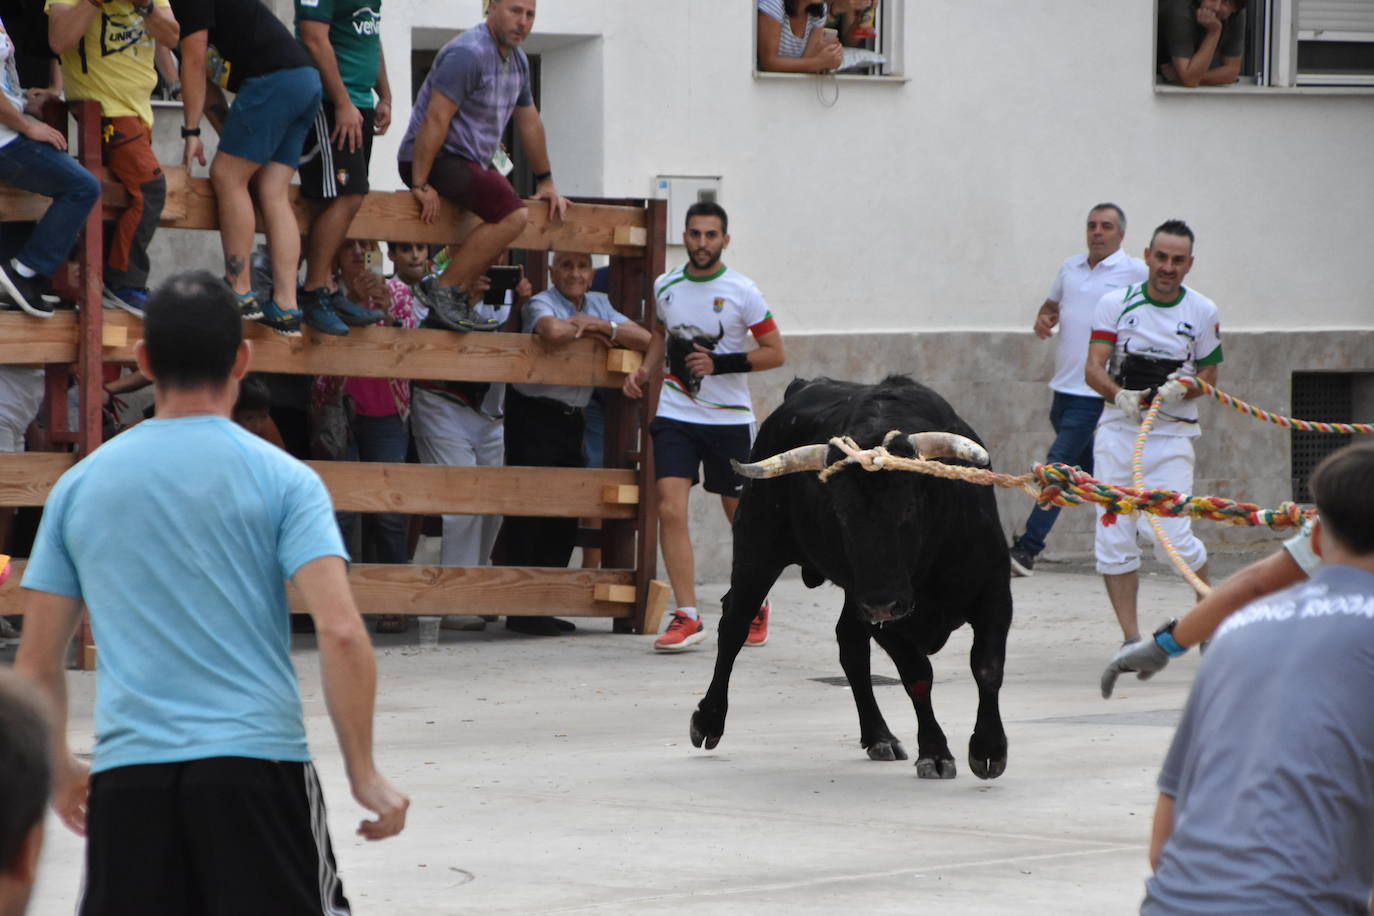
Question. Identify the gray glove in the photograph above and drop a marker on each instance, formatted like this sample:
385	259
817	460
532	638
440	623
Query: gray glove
1144	656
1128	402
1171	392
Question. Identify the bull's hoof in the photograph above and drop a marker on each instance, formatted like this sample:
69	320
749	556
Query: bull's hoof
931	768
886	749
700	736
985	768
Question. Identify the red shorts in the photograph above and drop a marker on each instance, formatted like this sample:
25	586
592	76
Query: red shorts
476	188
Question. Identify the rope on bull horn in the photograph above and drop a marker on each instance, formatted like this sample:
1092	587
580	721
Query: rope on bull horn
1065	485
1138	478
1311	426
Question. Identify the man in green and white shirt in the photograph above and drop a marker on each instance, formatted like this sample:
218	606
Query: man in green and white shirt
1134	331
706	315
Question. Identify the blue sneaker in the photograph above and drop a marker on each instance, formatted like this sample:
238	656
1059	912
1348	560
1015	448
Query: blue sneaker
249	307
320	314
132	299
353	314
286	323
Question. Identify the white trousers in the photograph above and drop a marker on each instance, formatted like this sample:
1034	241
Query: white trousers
450	434
21	394
1167	464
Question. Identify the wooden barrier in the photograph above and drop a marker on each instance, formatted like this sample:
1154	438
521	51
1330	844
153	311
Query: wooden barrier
631	232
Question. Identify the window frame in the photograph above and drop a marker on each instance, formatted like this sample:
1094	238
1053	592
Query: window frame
891	24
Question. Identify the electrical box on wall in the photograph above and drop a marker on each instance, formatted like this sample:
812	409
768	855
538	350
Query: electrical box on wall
681	191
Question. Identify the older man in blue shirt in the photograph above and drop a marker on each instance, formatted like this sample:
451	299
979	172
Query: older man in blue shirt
544	423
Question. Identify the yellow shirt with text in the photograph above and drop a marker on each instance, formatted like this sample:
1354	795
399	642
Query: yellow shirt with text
113	62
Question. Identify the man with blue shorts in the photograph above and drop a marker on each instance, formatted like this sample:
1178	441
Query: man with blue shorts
248	51
706	315
200	796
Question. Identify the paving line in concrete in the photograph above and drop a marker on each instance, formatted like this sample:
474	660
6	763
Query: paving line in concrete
775	887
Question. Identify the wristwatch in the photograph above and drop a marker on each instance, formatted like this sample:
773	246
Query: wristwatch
1164	638
614	327
189	131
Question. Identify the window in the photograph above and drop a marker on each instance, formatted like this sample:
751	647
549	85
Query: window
872	37
1297	43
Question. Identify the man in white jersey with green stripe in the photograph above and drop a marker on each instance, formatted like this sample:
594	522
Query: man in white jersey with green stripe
1142	336
706	314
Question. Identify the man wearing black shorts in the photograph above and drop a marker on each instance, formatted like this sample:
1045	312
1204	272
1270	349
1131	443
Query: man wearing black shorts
200	796
706	314
344	39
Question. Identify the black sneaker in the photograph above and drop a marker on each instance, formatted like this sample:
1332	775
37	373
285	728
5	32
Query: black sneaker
353	314
319	314
449	309
1022	561
25	292
249	307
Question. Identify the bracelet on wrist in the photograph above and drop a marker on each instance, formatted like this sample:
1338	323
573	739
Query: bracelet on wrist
1164	638
726	363
542	177
189	132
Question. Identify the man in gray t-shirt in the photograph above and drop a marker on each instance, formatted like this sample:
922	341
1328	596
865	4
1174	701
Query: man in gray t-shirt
1201	42
1267	794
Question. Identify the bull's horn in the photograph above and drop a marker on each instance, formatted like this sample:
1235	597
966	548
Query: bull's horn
803	458
948	445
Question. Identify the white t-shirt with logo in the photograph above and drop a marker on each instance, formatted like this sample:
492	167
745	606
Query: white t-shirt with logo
1078	288
720	311
9	83
1187	328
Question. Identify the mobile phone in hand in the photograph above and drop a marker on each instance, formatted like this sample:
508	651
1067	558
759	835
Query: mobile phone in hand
503	280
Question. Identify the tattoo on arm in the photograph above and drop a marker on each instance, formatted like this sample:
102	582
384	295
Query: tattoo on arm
233	265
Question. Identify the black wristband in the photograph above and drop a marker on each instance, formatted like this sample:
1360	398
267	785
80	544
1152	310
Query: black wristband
542	176
725	363
189	131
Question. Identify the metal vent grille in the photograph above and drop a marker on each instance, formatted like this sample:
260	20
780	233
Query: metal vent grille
879	680
1318	396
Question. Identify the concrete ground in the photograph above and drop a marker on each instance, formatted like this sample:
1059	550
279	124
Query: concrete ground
555	775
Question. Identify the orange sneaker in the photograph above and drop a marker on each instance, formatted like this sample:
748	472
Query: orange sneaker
758	627
683	632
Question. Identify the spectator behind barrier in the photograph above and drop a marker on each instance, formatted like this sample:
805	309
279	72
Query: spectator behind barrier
792	37
1201	42
25	761
33	158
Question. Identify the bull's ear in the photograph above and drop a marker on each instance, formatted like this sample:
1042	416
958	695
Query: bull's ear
949	445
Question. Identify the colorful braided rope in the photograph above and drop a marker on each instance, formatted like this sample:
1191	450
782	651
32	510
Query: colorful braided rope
1312	426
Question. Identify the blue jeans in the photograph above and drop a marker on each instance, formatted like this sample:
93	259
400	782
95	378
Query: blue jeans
384	533
38	167
1074	418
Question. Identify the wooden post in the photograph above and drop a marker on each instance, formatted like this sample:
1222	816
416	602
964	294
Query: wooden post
90	368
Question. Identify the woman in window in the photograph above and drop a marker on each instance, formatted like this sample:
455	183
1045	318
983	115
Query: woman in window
793	39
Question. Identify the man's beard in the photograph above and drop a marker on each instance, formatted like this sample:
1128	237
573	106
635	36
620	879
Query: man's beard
714	257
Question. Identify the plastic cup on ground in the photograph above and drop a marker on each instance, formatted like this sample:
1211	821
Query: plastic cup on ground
429	632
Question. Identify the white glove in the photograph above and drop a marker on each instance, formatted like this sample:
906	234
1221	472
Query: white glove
1128	402
1171	392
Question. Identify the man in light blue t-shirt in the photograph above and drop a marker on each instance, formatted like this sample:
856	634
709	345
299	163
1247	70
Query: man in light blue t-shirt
177	535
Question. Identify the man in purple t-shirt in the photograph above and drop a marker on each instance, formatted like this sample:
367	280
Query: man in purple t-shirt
452	148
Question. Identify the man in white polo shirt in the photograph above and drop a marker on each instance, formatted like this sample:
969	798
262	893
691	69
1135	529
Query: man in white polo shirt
1082	281
706	315
1141	336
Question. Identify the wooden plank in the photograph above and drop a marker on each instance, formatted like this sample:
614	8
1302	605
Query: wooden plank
114	336
385	216
416	354
435	489
616	594
25	339
506	590
27	477
654	605
623	495
623	361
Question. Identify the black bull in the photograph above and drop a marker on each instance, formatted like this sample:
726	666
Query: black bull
917	557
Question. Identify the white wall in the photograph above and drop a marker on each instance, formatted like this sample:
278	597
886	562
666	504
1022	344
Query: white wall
947	201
